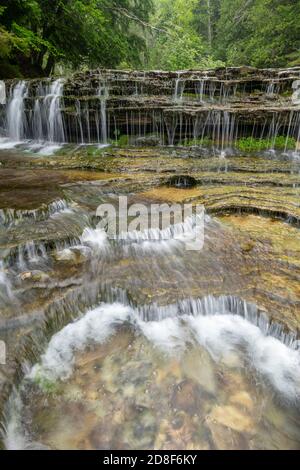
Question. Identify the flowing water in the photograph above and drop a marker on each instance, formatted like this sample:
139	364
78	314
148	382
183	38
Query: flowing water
201	109
133	341
15	114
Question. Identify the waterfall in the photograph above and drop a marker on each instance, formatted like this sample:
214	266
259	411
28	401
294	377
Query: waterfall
5	286
103	95
201	88
78	114
270	88
2	92
214	111
55	121
37	122
16	119
179	89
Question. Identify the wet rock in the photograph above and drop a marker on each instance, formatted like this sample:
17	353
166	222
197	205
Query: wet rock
249	246
180	181
199	367
102	437
187	397
76	255
233	418
37	446
243	400
148	141
35	276
224	438
25	276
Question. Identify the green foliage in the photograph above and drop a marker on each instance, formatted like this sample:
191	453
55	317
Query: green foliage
50	387
178	45
36	35
251	144
123	141
259	32
209	33
178	50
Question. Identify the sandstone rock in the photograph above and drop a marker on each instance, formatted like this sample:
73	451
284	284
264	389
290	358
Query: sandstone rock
224	438
35	276
233	418
243	399
187	397
148	141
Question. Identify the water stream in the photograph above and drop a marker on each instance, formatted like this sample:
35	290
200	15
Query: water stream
133	341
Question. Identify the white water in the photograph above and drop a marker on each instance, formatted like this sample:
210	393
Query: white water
55	121
14	216
6	294
94	327
228	338
174	237
103	95
8	144
95	238
47	150
16	120
46	125
179	89
2	92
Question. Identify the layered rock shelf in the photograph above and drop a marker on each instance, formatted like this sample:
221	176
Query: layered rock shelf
225	139
213	107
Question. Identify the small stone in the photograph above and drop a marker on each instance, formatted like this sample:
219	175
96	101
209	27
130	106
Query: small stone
232	417
187	397
25	276
34	276
224	438
76	255
39	276
243	400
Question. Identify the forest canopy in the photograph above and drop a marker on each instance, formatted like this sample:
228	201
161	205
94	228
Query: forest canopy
43	37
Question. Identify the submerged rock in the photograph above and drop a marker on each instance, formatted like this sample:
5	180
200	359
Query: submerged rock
231	417
148	141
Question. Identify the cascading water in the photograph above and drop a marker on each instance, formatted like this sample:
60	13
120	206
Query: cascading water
179	89
126	347
16	118
103	95
191	343
175	109
2	92
52	104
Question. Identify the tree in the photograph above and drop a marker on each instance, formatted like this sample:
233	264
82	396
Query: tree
178	44
37	35
73	32
263	33
206	15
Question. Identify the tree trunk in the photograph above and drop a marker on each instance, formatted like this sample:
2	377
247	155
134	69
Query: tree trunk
50	65
209	23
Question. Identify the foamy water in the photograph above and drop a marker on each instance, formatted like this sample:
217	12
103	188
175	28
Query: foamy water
166	240
226	337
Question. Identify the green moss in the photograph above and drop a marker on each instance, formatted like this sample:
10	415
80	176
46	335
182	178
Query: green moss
92	150
47	386
251	144
286	93
123	141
